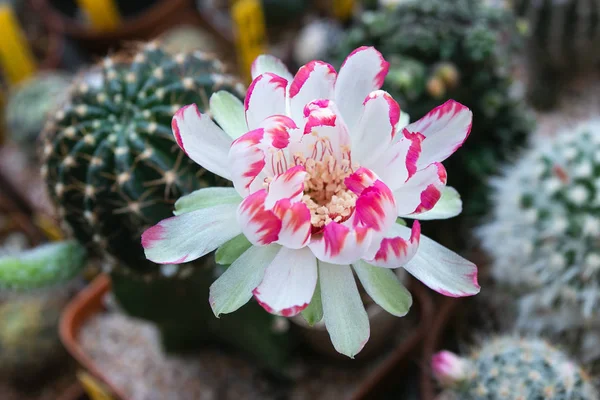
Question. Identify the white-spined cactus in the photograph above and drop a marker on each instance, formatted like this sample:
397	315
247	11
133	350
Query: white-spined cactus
544	238
513	369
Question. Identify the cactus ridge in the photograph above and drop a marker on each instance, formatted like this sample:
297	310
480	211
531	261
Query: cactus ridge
111	162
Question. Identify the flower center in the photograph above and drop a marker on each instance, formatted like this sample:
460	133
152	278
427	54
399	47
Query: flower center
325	192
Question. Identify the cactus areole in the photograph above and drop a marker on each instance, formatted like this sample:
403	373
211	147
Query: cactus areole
111	162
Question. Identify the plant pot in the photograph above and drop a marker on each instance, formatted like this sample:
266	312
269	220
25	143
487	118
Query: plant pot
433	343
89	302
144	25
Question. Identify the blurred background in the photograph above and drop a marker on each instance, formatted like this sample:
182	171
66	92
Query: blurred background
88	162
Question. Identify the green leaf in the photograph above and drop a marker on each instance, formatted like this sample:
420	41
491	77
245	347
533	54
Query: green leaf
234	288
206	197
232	250
314	312
228	111
384	287
42	266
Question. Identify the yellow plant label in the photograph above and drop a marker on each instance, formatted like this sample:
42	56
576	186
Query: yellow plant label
94	389
16	57
102	14
342	9
250	33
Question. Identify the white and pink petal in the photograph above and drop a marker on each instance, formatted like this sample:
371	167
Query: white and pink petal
443	270
375	208
448	206
422	191
247	162
341	244
189	236
295	223
268	63
397	248
313	81
445	129
202	140
288	185
289	282
266	96
260	225
362	72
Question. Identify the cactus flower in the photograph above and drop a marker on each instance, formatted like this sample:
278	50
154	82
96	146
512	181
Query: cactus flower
322	165
448	368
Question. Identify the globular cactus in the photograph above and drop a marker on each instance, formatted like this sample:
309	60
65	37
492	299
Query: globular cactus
111	161
543	238
564	36
29	342
509	368
29	104
114	169
462	50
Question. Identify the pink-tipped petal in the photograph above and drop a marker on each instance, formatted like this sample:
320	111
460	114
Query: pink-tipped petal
445	129
398	162
376	127
363	71
189	236
397	248
422	191
289	185
295	223
375	208
202	140
289	282
442	270
339	244
247	162
313	81
361	179
268	63
259	225
266	96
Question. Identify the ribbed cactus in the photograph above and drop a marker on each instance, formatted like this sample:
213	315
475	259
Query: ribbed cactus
111	161
114	169
30	103
543	237
459	49
509	368
564	36
29	342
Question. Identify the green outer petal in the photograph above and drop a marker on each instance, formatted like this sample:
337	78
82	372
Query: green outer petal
232	250
234	288
228	111
45	265
344	312
448	206
313	314
384	287
206	197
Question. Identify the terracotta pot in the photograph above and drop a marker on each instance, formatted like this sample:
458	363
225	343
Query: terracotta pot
89	302
433	343
144	26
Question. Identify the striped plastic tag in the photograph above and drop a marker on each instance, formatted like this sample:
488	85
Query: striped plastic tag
16	57
102	14
250	33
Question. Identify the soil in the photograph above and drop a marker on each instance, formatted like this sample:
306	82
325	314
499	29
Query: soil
128	352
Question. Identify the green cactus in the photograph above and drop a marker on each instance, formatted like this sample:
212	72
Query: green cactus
512	368
564	36
30	103
42	266
543	238
29	342
459	49
114	169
